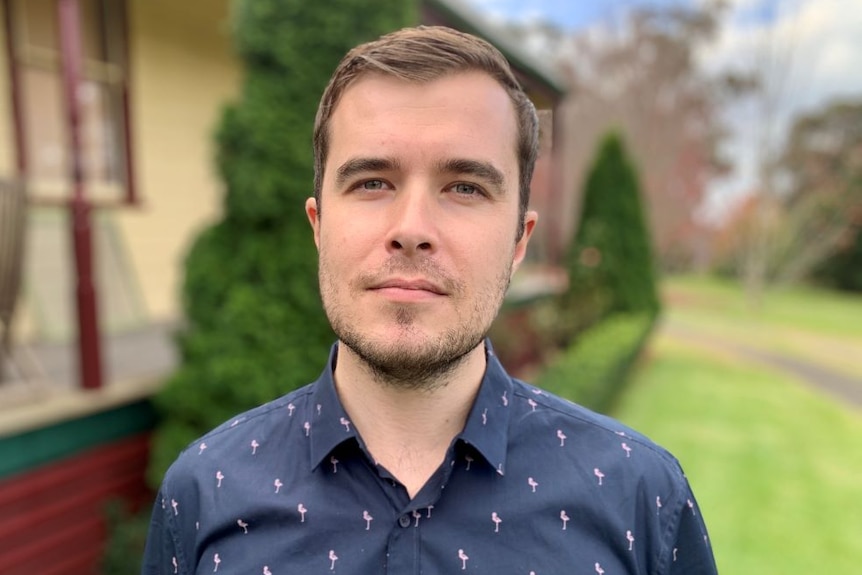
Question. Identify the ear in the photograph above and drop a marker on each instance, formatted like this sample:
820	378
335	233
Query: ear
530	219
313	218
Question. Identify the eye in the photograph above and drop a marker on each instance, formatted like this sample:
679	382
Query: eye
372	185
465	189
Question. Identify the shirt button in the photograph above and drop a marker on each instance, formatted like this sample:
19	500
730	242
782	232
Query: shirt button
404	521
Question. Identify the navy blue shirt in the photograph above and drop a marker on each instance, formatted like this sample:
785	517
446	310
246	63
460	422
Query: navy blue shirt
534	484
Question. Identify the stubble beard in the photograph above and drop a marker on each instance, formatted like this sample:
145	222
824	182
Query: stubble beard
429	360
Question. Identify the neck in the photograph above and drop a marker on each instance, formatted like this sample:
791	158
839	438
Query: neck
408	428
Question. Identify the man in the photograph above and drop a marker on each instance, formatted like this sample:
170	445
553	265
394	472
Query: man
415	452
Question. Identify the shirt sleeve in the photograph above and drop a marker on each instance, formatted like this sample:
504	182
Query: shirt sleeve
160	554
691	553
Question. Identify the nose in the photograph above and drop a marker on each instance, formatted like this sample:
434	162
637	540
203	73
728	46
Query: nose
413	227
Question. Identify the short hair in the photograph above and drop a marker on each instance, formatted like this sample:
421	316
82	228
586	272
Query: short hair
423	54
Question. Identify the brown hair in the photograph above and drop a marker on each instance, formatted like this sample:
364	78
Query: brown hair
423	54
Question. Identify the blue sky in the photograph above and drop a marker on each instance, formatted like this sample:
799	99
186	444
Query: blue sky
578	14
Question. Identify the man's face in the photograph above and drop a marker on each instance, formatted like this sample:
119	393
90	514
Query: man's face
417	237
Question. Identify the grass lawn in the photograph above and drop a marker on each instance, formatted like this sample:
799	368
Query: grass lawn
822	327
777	468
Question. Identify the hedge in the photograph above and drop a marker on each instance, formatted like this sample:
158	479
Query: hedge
592	371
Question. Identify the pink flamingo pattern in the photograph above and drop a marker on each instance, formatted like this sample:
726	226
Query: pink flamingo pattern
598	473
463	557
217	448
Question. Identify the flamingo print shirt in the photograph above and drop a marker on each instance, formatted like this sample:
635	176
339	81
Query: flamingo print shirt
534	484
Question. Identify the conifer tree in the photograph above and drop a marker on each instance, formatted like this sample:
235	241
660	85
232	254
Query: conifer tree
610	260
255	326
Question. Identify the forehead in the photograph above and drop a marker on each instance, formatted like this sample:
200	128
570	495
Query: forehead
463	114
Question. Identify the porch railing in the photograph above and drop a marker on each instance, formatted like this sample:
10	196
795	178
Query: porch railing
13	225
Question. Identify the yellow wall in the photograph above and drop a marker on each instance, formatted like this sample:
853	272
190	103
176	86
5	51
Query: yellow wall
183	72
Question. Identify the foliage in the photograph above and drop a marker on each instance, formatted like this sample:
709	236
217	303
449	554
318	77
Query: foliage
127	534
843	270
807	207
255	327
610	261
592	371
642	74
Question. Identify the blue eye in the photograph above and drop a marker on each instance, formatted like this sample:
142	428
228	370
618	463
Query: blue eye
465	189
373	185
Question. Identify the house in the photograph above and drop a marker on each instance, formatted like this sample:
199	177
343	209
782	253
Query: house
152	76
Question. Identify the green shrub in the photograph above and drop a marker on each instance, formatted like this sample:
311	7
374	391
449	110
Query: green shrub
592	371
255	327
610	261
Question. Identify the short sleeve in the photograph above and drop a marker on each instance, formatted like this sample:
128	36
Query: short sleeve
160	554
691	553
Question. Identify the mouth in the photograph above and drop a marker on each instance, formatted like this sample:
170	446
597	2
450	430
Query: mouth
411	285
402	288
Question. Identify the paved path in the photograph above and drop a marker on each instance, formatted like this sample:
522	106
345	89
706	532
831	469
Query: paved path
843	387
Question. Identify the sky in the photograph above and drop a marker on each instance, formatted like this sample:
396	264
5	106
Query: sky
810	52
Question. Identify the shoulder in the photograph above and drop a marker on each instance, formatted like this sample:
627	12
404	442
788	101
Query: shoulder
597	436
245	431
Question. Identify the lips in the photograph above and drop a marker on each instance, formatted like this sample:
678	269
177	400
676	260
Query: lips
411	285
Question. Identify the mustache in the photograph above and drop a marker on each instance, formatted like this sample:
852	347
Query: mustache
425	268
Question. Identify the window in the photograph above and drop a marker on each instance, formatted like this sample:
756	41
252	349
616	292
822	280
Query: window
44	142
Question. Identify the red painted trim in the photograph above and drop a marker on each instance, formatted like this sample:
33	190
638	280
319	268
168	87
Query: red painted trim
52	520
89	346
15	91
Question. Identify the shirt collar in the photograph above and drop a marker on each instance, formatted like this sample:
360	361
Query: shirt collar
486	429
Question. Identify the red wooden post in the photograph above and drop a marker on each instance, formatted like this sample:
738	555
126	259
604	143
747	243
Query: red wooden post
90	362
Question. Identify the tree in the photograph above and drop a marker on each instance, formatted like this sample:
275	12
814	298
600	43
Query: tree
610	259
641	76
255	328
822	165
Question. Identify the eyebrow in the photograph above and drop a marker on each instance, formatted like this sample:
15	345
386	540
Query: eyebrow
478	169
356	166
